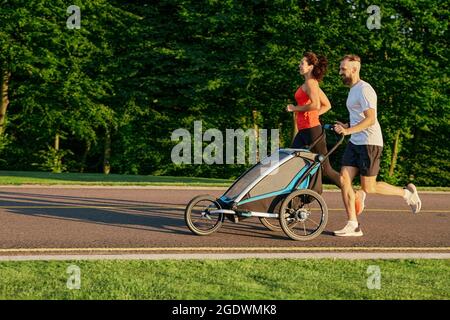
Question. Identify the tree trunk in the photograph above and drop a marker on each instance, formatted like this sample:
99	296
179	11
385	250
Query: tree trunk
394	153
57	159
84	158
57	141
107	152
4	102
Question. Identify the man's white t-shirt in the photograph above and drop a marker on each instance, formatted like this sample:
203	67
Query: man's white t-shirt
362	97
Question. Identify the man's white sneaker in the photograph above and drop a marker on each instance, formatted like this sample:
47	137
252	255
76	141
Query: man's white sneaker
414	201
349	231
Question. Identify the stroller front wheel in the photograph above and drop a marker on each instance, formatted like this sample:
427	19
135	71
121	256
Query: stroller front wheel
199	216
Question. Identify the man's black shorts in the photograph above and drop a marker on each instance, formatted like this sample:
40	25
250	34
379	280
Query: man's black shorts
365	157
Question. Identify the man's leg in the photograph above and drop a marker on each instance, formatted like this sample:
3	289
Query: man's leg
369	165
348	195
351	229
330	173
349	170
360	198
370	185
334	176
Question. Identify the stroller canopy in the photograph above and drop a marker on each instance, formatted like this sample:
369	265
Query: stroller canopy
273	176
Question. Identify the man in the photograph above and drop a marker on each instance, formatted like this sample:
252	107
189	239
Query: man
363	152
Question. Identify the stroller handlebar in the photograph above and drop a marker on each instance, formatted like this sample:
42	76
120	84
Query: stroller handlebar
331	128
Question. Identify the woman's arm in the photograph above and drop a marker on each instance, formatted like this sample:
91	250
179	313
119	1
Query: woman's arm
325	104
313	91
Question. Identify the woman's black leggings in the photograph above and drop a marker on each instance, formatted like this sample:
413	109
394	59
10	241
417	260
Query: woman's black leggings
306	137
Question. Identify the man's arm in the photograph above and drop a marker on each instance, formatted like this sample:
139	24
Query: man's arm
370	118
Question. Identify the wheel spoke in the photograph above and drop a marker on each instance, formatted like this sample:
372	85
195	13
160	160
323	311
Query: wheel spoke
314	222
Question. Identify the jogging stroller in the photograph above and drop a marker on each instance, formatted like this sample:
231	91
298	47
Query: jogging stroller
286	186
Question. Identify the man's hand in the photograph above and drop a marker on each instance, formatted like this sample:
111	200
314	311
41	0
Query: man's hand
341	128
290	108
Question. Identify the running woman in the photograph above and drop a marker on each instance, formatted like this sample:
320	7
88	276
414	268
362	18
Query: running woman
311	103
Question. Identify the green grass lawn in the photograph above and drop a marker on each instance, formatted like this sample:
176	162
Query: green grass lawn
227	279
47	178
34	177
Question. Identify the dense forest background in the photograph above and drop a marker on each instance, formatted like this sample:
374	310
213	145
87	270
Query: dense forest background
106	97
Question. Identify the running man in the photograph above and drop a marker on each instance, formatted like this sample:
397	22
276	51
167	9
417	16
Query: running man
363	153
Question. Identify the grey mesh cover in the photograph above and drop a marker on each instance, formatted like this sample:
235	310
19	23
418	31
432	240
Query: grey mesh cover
254	173
280	178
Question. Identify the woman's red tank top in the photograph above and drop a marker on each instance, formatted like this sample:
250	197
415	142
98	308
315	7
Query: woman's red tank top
308	119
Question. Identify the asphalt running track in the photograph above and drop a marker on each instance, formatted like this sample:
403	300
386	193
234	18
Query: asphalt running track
148	223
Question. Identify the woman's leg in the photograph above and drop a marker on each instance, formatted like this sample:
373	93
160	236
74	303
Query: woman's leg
330	173
321	148
302	139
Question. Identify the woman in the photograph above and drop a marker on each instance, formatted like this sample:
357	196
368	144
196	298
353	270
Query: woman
311	103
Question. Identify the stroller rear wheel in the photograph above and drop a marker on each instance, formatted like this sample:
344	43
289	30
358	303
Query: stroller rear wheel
199	218
303	215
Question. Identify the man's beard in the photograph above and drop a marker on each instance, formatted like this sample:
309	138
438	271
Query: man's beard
347	80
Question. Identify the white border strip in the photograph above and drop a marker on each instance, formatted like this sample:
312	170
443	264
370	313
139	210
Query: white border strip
186	250
209	256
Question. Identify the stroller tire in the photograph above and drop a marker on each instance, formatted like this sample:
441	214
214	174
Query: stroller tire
197	218
303	215
271	224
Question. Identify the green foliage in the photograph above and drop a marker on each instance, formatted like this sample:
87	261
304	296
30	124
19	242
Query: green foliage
52	160
140	71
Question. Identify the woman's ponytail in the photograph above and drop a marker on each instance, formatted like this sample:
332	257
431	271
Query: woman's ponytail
320	64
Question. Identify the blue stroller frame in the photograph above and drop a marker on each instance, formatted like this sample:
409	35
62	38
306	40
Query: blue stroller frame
285	186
